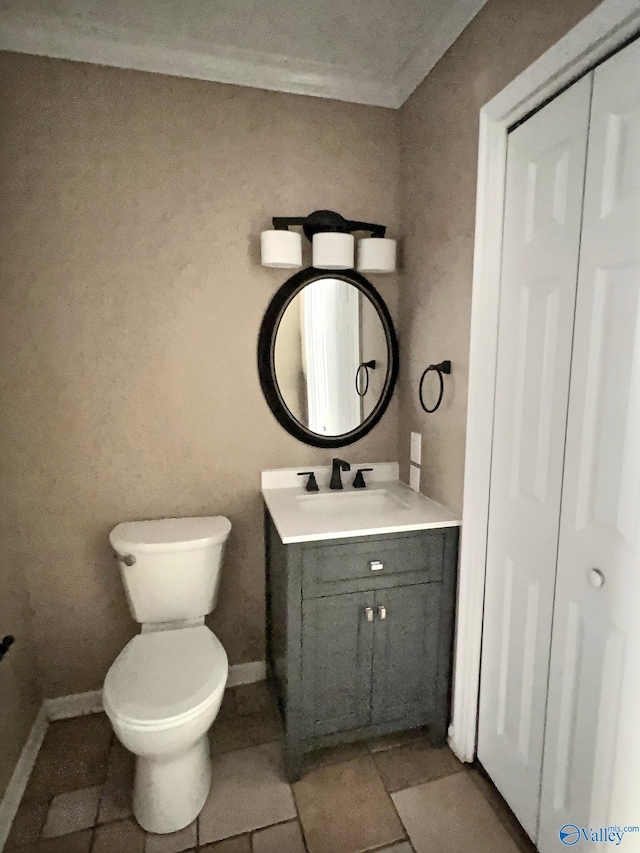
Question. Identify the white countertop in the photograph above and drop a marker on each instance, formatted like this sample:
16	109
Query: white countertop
385	506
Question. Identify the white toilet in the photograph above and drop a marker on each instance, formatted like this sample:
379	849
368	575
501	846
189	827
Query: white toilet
163	691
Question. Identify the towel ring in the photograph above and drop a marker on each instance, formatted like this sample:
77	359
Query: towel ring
366	365
440	369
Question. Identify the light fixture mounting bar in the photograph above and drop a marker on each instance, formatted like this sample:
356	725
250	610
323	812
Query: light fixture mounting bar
327	221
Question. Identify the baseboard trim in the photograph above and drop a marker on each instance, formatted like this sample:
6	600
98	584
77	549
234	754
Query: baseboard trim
16	788
79	704
75	705
246	673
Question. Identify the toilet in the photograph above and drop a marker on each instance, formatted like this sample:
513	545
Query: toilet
164	690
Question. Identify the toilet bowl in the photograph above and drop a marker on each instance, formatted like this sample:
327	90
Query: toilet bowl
164	690
162	694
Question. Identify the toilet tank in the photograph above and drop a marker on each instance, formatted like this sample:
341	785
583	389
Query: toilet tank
170	567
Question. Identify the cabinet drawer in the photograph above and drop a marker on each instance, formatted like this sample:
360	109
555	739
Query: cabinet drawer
372	564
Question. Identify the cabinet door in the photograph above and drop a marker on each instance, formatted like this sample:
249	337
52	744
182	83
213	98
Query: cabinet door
337	642
405	657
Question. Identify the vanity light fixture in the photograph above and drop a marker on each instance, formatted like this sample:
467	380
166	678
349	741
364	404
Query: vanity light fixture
281	249
376	254
332	250
333	243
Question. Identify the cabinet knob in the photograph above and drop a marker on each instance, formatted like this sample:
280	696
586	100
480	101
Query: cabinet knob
376	565
368	612
382	611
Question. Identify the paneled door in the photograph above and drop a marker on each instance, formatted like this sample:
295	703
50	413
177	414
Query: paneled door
591	775
542	222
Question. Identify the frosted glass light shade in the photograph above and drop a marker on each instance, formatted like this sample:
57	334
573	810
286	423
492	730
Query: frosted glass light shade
332	251
376	254
281	249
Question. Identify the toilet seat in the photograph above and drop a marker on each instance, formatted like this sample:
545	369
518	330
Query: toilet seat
164	678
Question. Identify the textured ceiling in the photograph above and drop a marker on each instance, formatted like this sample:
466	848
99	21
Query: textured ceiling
372	51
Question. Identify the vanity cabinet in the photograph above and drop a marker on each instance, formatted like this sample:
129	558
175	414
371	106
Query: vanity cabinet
360	635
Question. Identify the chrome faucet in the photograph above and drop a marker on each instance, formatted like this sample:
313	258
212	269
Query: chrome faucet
338	465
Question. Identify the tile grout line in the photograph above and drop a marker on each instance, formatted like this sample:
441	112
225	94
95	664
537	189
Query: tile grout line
393	805
301	828
299	817
506	825
102	790
386	846
51	798
245	746
370	752
426	781
407	837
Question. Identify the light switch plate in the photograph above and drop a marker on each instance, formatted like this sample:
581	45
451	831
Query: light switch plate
414	478
416	447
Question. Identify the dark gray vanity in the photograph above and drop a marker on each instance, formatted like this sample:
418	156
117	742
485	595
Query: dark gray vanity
360	635
361	570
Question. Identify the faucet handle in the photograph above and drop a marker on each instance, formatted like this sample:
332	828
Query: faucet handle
358	480
311	484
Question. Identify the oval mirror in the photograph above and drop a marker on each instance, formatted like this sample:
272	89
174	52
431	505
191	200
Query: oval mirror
327	357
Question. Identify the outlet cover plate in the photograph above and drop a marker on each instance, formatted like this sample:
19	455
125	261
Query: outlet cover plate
414	478
416	447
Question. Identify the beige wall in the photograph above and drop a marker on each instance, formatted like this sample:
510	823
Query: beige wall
131	299
439	137
131	296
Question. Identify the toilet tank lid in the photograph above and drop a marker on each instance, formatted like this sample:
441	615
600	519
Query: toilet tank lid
169	534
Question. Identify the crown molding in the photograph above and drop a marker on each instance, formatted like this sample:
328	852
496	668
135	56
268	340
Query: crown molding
66	40
435	40
77	40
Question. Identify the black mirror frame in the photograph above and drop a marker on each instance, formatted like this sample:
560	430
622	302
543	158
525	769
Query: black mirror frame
266	356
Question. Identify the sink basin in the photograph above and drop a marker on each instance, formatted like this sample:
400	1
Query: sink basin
385	506
363	502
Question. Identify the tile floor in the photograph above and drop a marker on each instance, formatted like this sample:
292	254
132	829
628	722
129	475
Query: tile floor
393	795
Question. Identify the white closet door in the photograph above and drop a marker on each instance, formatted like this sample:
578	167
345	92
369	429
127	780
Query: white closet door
543	210
591	774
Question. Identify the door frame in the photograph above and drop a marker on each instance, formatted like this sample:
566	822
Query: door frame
605	29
